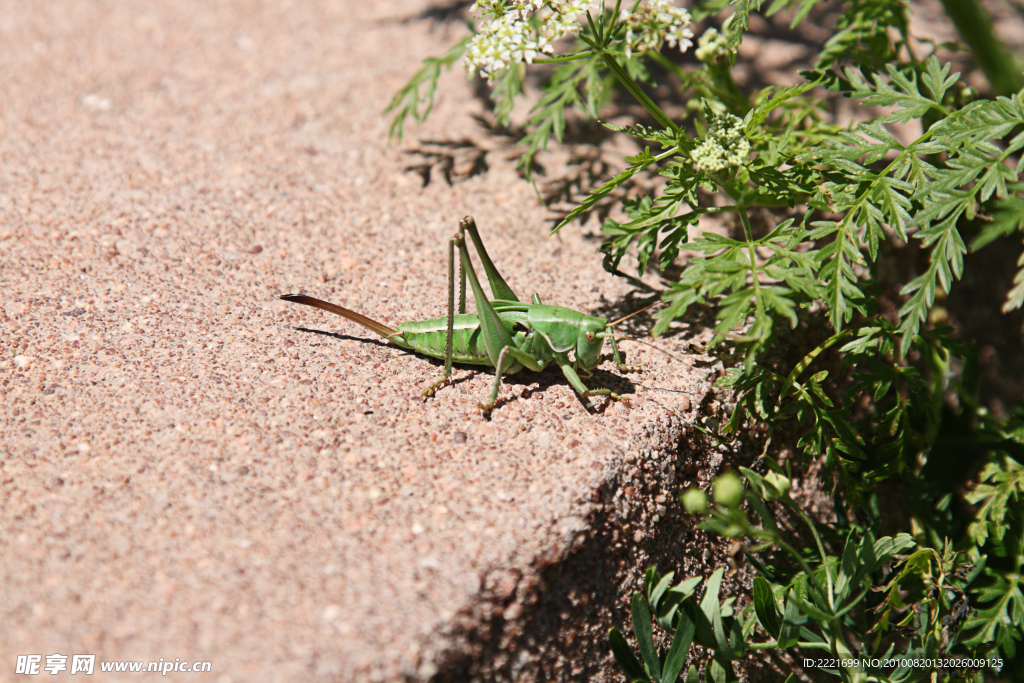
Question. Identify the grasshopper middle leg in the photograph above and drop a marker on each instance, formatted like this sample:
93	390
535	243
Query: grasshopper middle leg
446	379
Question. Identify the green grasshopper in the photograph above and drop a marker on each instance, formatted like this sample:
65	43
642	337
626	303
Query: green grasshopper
504	333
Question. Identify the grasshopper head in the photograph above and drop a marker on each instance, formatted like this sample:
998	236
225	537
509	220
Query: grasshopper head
590	341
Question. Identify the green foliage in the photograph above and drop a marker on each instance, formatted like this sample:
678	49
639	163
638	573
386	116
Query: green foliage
809	215
416	98
863	34
878	599
998	528
578	84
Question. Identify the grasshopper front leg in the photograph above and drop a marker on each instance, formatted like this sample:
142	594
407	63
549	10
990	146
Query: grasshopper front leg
580	387
618	359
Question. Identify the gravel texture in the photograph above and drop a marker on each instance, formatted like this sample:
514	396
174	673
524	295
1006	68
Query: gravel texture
192	469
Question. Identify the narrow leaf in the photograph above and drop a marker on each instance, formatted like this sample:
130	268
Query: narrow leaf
767	610
625	658
644	637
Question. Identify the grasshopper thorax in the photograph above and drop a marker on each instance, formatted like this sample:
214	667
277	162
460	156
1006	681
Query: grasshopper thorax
567	330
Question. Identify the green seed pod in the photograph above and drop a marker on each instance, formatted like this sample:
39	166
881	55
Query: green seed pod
728	490
695	501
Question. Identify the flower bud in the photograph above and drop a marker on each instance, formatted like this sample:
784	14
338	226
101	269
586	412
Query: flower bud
714	48
728	490
780	483
695	501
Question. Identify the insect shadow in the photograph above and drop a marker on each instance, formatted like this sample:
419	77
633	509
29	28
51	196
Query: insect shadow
345	337
551	376
385	345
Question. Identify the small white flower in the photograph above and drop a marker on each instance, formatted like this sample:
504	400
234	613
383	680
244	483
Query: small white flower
725	145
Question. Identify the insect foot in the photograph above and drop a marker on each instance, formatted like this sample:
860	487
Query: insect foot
439	384
630	368
610	394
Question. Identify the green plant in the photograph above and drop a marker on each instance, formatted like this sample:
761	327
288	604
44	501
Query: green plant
865	613
817	215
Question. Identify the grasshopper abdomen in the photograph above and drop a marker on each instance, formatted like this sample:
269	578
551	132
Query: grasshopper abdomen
428	337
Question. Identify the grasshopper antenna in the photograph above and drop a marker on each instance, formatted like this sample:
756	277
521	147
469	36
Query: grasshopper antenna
646	343
634	313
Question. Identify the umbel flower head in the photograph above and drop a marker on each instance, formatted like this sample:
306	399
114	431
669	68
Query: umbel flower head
518	31
509	37
725	146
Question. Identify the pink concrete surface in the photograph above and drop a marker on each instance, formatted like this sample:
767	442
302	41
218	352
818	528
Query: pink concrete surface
192	469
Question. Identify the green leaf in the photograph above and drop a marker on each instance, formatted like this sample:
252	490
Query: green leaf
1015	297
862	33
738	23
719	672
1000	488
644	636
848	570
562	91
805	8
410	101
838	273
625	658
756	116
637	164
676	656
1007	218
655	595
767	611
791	623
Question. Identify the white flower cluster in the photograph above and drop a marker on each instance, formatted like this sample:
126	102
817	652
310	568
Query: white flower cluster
725	145
507	37
653	22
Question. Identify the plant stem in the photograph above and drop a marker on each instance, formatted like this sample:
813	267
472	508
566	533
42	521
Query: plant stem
821	548
1002	68
720	77
634	88
563	58
752	252
807	360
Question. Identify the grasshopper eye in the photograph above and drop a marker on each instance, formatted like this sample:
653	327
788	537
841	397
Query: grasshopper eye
590	337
